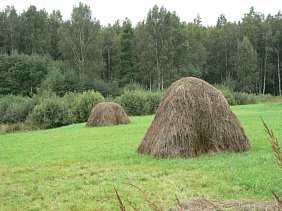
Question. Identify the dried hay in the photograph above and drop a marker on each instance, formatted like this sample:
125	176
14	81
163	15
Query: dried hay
107	114
206	205
193	119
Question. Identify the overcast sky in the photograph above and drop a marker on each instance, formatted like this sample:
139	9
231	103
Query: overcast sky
108	11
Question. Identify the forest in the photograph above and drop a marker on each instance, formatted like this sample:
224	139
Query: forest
41	51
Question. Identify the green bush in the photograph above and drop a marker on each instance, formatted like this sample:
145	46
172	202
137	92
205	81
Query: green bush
227	93
153	101
84	103
134	102
14	108
51	112
266	98
70	99
138	102
242	98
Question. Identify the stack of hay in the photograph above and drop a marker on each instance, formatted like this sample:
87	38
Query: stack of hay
193	119
107	114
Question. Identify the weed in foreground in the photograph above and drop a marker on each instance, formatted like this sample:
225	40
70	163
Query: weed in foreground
276	149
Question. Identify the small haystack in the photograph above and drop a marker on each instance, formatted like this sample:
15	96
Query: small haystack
193	119
107	114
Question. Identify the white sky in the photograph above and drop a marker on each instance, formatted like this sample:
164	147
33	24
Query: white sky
108	11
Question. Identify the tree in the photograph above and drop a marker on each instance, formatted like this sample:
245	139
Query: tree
80	42
9	34
143	62
198	20
221	44
61	79
278	36
166	45
195	53
111	49
276	25
22	74
251	27
267	48
54	23
221	21
246	63
126	61
34	33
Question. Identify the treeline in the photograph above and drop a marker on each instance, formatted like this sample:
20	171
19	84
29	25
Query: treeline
40	51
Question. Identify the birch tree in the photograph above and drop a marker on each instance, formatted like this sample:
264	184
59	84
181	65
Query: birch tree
80	41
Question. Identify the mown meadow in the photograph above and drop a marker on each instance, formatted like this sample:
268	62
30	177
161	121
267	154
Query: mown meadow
79	168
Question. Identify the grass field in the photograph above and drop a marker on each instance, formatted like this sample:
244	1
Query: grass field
76	167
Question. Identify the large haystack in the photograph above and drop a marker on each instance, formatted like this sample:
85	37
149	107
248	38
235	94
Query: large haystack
193	119
107	114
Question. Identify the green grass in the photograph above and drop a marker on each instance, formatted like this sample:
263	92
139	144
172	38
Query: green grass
76	167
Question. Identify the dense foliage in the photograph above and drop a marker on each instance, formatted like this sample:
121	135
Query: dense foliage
21	73
48	110
84	103
140	102
244	55
51	112
14	108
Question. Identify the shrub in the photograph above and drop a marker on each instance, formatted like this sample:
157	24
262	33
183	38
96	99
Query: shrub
4	104
227	93
70	99
84	103
61	79
266	98
242	98
51	112
134	102
138	102
153	101
14	108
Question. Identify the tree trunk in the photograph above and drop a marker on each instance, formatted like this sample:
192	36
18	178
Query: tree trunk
264	76
162	78
109	65
226	62
278	74
260	77
150	83
157	66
